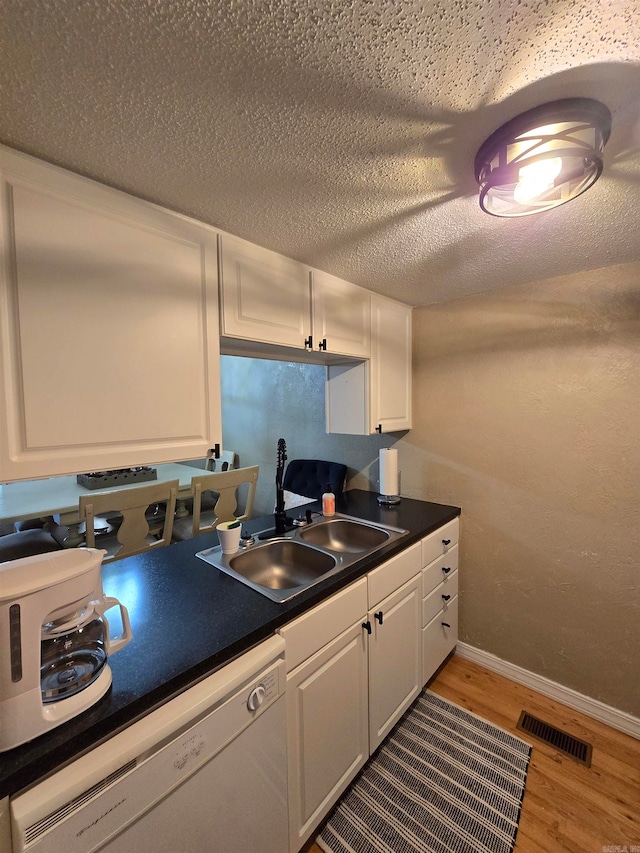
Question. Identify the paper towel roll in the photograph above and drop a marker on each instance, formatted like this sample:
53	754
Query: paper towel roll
389	472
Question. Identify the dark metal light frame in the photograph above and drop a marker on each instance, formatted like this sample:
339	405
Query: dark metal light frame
574	130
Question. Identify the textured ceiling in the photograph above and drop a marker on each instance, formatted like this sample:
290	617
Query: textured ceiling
338	132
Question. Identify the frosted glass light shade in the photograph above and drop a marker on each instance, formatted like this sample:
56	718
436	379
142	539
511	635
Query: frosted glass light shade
542	158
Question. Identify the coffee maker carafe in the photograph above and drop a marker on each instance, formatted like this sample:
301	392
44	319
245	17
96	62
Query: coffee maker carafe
54	641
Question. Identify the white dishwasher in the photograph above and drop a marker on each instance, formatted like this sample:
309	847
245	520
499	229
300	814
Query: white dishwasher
204	773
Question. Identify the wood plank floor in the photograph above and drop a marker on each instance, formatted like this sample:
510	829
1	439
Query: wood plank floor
567	806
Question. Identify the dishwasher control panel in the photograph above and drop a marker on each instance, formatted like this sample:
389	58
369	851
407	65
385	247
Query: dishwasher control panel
265	691
226	722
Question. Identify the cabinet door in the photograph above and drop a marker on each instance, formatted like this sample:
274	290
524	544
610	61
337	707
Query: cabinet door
374	395
265	297
341	316
395	662
327	729
390	365
108	326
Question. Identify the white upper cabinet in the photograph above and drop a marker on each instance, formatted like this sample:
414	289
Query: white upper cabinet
108	327
267	298
264	296
390	365
341	316
375	395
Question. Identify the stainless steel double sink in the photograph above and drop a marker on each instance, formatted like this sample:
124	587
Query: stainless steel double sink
286	565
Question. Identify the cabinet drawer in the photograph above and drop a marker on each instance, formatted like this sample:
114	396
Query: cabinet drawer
438	639
440	599
438	542
440	569
313	630
391	575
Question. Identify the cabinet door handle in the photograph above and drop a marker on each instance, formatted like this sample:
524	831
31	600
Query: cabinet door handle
367	627
446	597
379	428
379	616
445	624
308	342
446	542
446	569
323	344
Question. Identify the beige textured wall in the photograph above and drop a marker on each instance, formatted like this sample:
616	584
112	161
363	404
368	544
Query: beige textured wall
527	414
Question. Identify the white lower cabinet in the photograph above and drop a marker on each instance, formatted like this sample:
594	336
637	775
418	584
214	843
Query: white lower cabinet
353	668
439	597
328	729
327	706
395	663
395	672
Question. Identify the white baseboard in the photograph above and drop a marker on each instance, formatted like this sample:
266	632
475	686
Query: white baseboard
620	720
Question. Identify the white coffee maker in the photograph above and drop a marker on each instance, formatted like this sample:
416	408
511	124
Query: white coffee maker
54	641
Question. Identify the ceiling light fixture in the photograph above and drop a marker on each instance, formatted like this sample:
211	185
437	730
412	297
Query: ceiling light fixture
542	158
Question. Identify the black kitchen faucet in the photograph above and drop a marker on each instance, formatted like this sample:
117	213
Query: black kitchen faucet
282	520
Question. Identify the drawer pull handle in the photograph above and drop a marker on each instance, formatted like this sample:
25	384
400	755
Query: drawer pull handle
379	615
446	624
446	542
446	569
446	597
367	627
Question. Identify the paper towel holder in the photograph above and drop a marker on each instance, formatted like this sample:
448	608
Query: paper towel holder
388	500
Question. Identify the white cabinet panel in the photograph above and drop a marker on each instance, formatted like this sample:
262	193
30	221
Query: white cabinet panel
390	365
327	729
265	296
395	661
341	316
375	395
109	325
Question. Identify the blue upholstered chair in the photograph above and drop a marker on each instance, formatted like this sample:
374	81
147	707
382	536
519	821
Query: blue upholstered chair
308	478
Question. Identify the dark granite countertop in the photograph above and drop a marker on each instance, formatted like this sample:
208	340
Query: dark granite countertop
189	619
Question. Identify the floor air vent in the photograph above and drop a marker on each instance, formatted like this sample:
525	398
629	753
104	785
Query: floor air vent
578	749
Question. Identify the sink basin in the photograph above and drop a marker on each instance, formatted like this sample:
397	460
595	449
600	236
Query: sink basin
279	568
282	564
345	536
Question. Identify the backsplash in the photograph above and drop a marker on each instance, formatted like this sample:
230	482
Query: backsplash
264	400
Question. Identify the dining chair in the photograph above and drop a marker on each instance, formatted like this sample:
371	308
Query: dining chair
133	534
225	485
225	460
